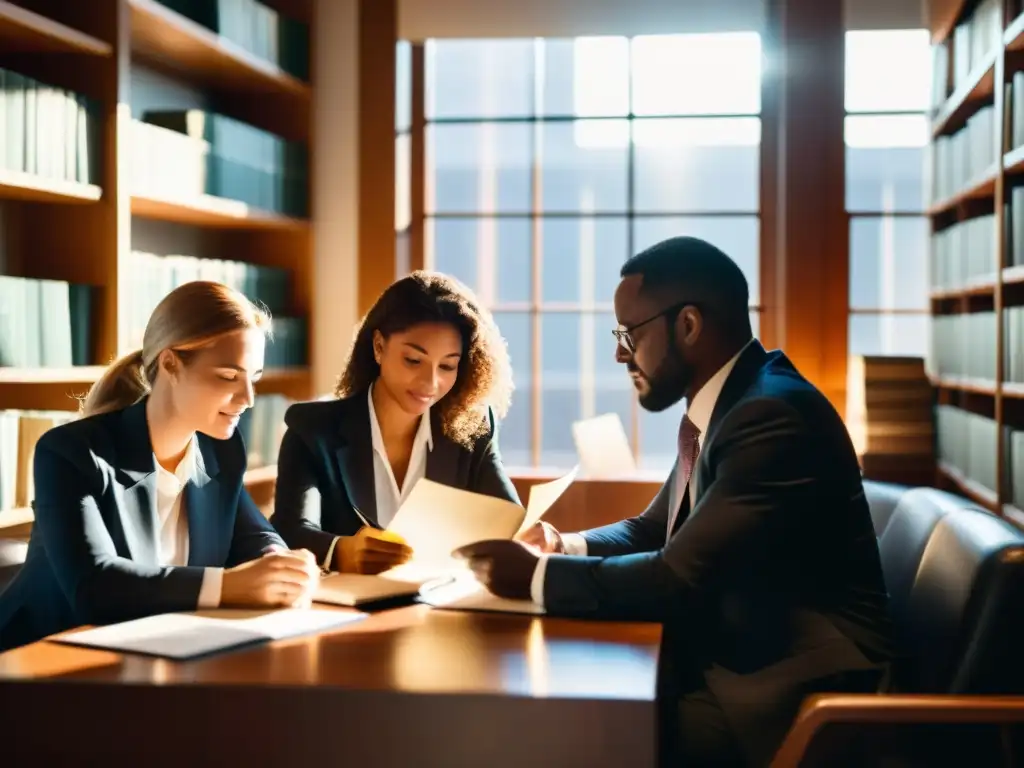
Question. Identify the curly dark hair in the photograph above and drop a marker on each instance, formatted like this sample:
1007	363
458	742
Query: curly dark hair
484	378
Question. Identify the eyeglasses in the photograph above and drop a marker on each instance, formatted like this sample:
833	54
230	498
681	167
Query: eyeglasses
623	335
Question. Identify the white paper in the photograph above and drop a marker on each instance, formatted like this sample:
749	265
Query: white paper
186	635
437	519
468	594
543	496
603	447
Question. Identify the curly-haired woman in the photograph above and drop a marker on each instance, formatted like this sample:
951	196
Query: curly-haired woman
427	374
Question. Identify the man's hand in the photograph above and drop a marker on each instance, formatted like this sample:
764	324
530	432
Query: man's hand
544	537
370	551
504	567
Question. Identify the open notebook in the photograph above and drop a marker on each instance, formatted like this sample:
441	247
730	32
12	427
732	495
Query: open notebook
435	520
188	635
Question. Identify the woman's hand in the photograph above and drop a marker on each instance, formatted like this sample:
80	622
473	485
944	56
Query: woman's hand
370	551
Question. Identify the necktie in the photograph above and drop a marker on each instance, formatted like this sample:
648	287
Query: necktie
689	448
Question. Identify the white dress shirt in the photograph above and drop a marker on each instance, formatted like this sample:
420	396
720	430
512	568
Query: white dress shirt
699	411
389	496
172	539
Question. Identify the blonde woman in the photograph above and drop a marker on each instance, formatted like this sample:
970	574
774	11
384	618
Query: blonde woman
140	507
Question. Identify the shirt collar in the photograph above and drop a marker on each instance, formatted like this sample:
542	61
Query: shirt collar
424	435
185	470
703	403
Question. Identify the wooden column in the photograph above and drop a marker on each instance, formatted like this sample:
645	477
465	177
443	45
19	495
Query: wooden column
805	256
354	184
378	36
418	167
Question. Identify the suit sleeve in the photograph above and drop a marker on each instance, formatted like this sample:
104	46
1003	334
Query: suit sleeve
643	533
489	476
764	472
297	499
253	534
101	586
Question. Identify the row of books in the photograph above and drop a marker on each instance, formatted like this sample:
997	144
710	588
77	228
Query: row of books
47	131
262	427
968	442
19	433
966	156
251	25
188	153
963	253
964	346
975	38
44	323
1013	465
153	276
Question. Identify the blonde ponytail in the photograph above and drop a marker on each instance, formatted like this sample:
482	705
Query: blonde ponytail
190	317
124	383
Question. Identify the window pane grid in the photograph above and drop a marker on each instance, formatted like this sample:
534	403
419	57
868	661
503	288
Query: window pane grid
540	204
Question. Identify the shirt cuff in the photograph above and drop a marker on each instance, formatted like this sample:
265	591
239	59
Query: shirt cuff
574	544
209	592
328	564
537	582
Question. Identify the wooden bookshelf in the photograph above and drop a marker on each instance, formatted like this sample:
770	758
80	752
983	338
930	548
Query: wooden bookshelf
24	31
215	213
59	229
972	368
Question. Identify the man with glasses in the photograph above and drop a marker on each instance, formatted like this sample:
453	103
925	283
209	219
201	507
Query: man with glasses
758	554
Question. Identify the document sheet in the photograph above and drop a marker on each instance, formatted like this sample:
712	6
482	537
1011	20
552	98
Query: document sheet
603	447
187	635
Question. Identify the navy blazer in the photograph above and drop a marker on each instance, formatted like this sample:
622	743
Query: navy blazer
772	582
325	476
92	557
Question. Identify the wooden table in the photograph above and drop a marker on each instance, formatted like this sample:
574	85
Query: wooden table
406	687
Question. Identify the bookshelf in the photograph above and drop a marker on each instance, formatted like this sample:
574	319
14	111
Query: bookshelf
83	202
977	271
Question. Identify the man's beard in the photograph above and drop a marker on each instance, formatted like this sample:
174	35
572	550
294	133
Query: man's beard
667	385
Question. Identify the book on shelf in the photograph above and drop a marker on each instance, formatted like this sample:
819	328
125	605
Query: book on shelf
262	428
48	131
968	442
259	30
964	347
44	323
975	39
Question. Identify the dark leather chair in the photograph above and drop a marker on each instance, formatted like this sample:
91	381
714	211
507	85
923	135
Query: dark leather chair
12	557
955	575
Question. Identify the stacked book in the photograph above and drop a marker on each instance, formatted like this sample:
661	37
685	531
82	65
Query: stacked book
189	153
44	323
47	131
251	25
889	417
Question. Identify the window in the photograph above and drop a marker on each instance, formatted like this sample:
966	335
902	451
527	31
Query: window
551	161
403	154
888	83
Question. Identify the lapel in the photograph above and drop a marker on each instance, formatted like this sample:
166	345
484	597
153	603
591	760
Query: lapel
136	472
747	367
443	460
203	506
355	456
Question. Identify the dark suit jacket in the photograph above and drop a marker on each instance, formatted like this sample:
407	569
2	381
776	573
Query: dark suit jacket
773	580
325	477
92	557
